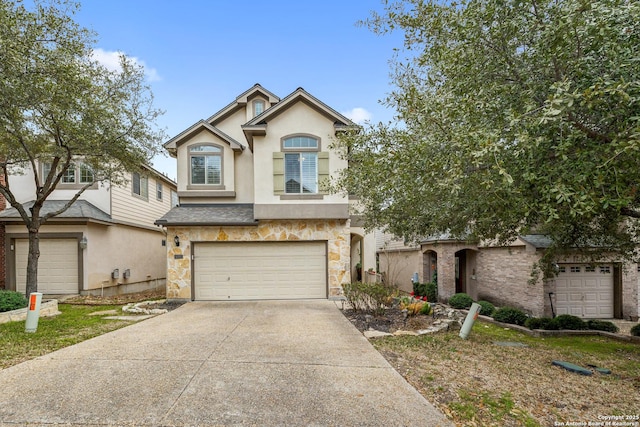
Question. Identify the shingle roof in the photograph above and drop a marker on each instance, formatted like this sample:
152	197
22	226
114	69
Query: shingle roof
221	214
537	240
80	210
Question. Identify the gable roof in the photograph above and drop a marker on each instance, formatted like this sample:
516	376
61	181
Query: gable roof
258	125
197	127
241	101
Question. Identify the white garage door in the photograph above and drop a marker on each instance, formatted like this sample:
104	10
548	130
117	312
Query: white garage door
585	291
57	266
260	270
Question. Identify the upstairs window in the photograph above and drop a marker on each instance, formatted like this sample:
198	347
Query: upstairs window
258	107
77	174
159	190
140	185
206	165
301	165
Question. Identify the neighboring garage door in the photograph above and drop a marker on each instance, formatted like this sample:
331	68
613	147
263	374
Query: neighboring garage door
57	266
585	291
260	270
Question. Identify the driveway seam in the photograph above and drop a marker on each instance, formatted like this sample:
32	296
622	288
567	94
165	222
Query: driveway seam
205	360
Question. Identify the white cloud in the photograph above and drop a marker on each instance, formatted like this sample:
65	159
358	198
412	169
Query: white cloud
358	115
111	60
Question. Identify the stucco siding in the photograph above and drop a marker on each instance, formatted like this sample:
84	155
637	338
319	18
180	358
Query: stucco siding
398	267
122	247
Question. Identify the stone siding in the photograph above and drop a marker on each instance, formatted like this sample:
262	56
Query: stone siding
334	232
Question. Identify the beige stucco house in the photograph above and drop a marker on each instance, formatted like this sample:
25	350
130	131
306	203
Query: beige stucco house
255	219
502	275
105	243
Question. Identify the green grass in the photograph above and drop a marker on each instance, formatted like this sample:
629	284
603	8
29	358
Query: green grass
73	325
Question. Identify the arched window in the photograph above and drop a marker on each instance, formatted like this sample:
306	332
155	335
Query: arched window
301	164
205	162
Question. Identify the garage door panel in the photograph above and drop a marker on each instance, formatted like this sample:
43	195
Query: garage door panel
57	266
584	293
260	270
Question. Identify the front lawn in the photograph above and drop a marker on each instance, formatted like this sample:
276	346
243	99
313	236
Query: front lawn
70	327
476	382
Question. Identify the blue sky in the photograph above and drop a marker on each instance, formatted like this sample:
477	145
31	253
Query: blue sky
199	55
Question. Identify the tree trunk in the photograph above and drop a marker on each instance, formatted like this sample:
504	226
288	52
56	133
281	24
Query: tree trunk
32	260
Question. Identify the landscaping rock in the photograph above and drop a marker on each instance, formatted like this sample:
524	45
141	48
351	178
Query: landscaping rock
372	333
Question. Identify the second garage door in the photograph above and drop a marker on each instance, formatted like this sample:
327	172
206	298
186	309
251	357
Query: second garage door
57	266
585	291
260	270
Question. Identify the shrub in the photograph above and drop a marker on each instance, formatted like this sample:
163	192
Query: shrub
460	300
487	308
601	325
635	331
429	290
534	323
10	300
369	297
567	321
510	315
426	309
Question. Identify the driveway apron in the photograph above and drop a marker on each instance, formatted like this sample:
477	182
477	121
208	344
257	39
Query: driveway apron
218	363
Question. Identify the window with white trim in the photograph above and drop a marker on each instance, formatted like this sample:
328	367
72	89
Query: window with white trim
159	190
575	269
140	185
301	165
205	162
77	174
605	269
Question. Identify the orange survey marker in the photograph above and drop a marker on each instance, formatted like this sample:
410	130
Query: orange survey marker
32	302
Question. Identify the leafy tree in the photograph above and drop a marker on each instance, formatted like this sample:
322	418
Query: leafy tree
59	106
516	116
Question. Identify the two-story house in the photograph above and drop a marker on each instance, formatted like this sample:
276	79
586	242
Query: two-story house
105	243
255	219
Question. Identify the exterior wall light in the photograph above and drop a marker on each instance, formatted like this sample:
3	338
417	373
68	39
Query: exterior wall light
176	240
84	242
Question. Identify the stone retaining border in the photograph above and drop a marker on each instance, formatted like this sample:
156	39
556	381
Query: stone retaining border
48	308
561	333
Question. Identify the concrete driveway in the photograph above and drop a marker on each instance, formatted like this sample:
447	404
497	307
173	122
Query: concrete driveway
231	363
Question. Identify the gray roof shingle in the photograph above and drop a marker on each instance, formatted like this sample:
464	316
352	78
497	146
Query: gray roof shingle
80	209
222	214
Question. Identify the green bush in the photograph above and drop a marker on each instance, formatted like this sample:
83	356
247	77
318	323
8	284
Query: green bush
487	308
601	325
460	301
369	297
635	331
567	321
541	323
510	315
429	290
10	300
426	309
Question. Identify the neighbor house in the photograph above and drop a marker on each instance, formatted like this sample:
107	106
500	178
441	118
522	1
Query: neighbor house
105	243
255	218
503	276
